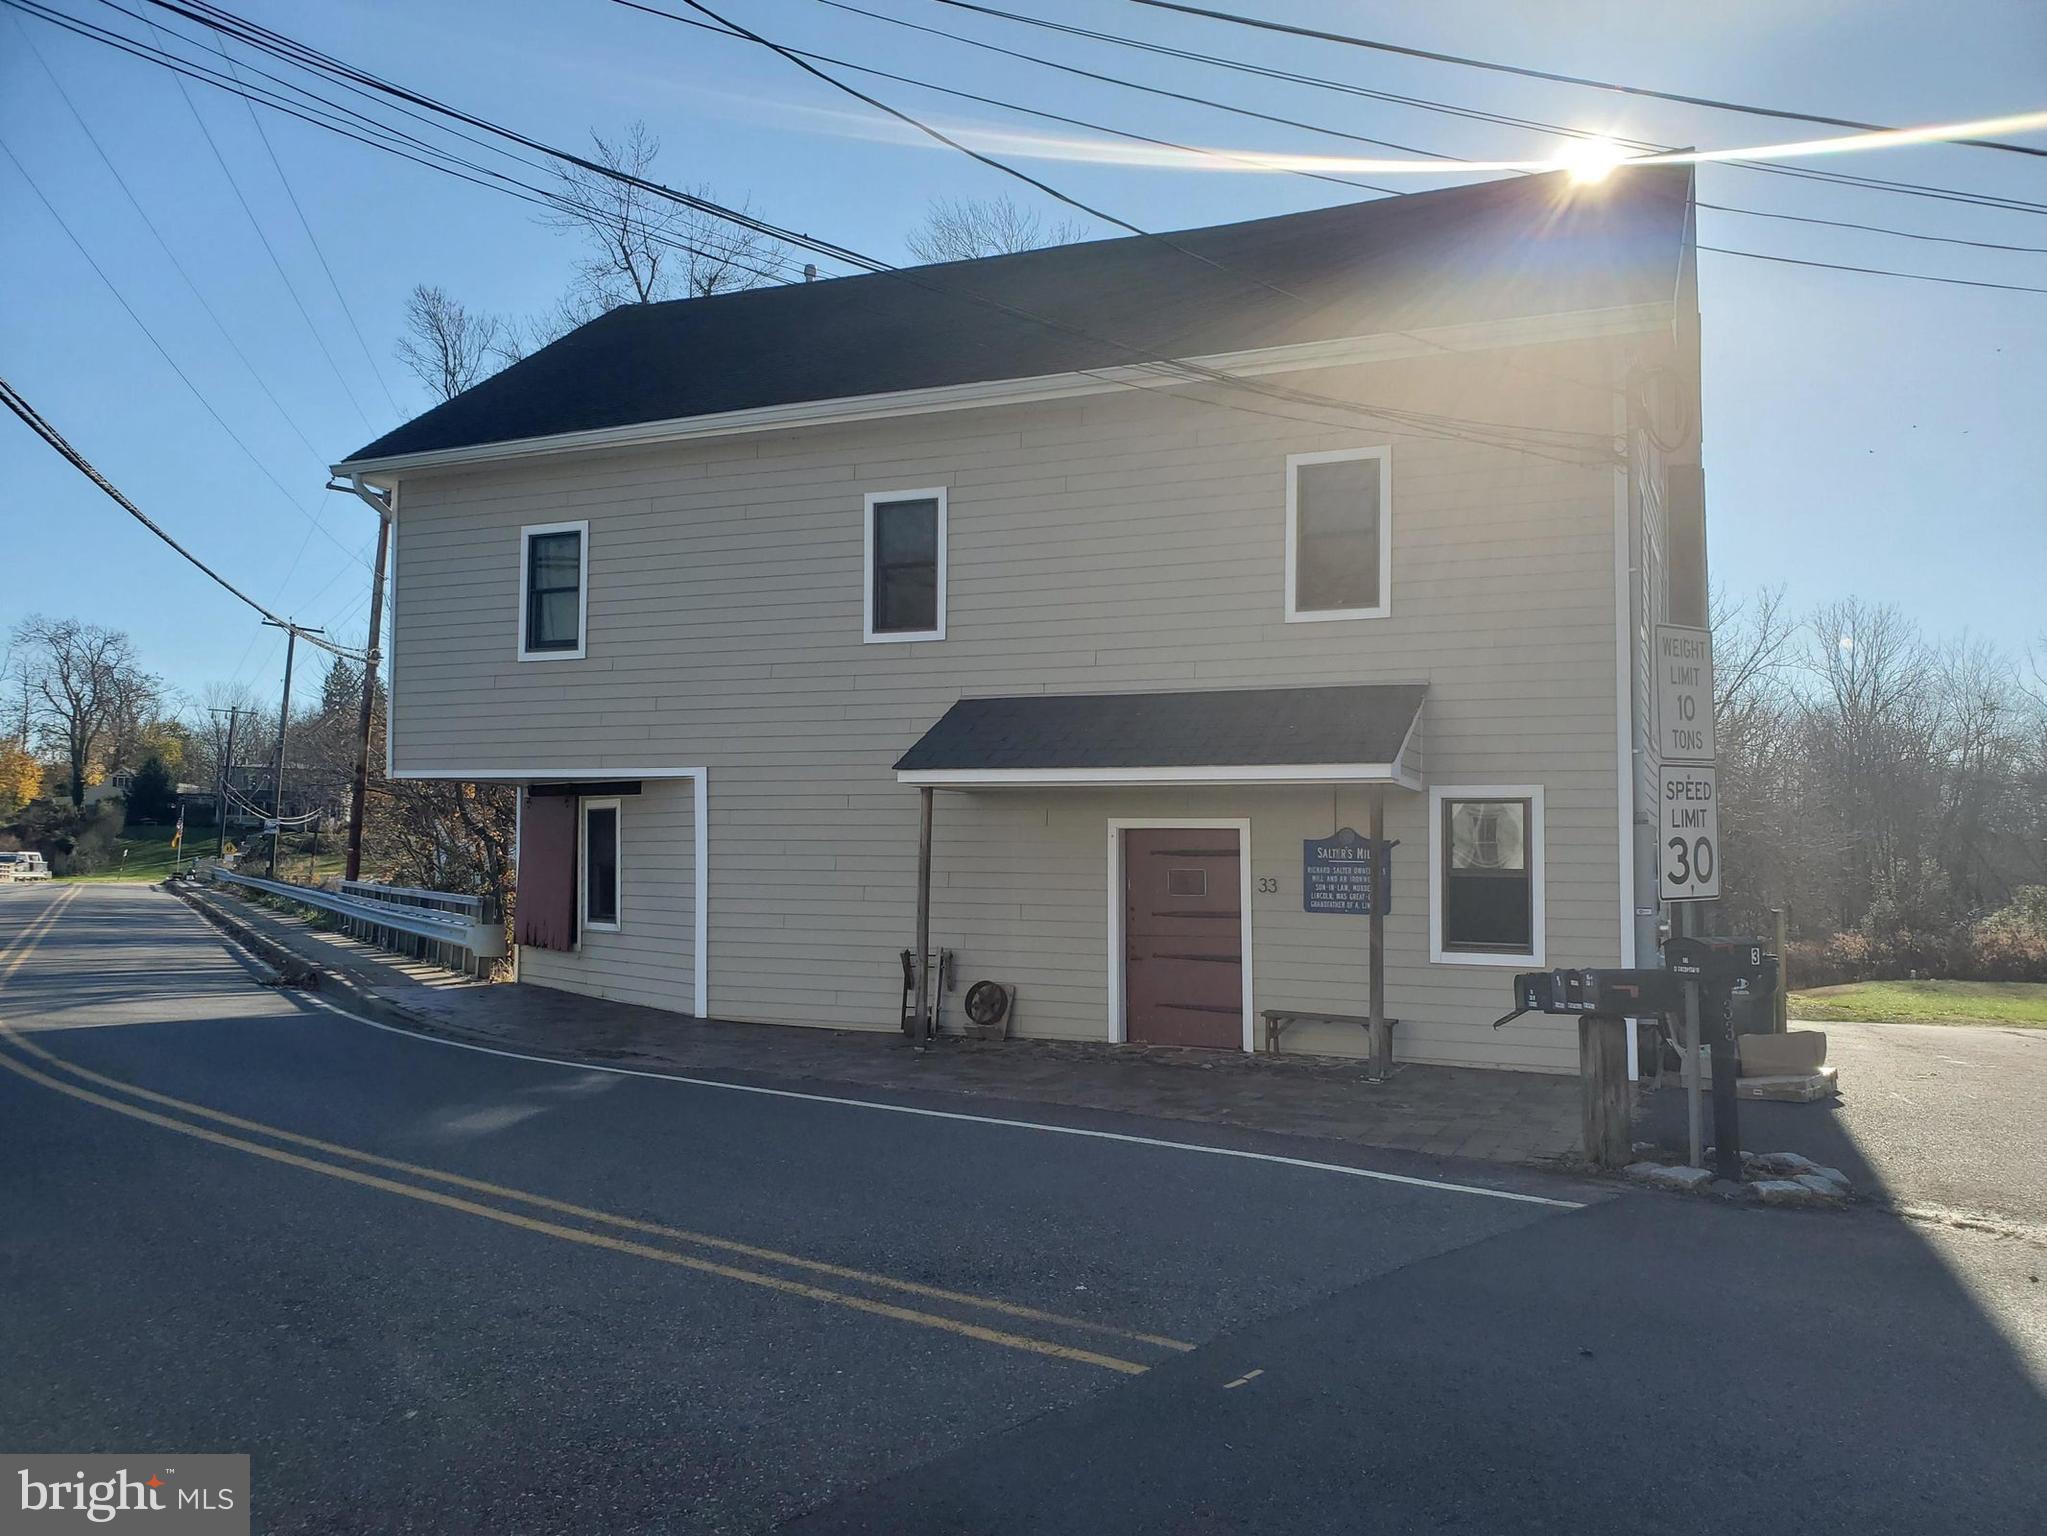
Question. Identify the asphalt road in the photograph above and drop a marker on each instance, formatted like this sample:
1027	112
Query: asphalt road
1929	1115
435	1289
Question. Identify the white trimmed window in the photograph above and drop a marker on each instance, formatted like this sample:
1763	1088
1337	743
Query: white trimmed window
597	882
904	596
1339	534
554	590
1486	875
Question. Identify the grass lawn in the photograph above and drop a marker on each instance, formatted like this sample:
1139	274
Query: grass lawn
149	856
2019	1003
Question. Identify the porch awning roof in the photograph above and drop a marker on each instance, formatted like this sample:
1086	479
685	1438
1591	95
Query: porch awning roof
1345	734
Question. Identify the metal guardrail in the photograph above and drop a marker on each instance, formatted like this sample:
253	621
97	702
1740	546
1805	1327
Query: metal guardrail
476	908
460	940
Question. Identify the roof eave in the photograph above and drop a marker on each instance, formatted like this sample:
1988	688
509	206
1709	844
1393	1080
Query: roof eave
1529	330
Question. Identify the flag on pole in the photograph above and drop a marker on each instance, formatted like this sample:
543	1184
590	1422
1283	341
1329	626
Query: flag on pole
178	834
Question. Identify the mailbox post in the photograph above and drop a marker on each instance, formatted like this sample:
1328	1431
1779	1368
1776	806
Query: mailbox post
1710	970
1698	980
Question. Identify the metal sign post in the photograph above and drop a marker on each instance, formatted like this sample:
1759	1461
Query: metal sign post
1693	1087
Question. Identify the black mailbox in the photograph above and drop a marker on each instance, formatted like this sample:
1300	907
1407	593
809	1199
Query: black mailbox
1721	962
1617	993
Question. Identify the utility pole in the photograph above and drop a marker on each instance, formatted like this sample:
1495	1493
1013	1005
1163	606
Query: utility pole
359	790
220	775
291	641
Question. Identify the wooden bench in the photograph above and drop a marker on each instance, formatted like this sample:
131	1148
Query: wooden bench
1277	1021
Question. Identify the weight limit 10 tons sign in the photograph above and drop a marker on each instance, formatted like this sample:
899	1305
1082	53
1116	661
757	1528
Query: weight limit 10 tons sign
1688	799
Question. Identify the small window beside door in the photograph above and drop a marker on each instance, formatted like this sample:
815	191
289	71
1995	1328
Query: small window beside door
1486	882
905	566
554	588
1339	535
600	865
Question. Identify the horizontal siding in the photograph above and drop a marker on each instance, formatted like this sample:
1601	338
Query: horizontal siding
652	957
1117	543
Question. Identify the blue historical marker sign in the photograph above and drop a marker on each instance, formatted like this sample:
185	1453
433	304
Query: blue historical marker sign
1339	874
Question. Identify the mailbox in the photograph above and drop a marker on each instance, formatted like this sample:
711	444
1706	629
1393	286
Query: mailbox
1721	962
1621	993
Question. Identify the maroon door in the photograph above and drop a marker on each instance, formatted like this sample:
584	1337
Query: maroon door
1183	962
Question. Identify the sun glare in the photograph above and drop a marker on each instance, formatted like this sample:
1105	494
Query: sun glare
1591	160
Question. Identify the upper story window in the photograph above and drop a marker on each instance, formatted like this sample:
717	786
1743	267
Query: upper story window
1339	534
1486	880
554	589
905	566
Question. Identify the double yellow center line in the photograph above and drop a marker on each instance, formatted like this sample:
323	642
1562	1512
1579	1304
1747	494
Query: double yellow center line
12	957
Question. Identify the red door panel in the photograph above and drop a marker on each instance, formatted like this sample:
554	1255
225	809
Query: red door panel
545	917
1183	966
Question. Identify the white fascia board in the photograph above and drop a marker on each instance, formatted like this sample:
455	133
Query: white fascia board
544	775
1574	325
1257	773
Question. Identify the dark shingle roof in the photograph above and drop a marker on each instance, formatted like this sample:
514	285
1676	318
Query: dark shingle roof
1207	728
1526	246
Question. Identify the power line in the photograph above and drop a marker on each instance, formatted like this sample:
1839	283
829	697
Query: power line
1250	160
1420	103
1716	104
150	224
1511	436
13	400
1451	162
314	240
1720	250
1298	395
164	352
390	140
1874	229
990	161
270	250
1917	277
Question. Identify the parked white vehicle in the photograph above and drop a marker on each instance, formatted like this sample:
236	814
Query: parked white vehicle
26	865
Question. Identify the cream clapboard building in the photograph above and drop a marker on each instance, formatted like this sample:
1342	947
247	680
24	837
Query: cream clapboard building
724	583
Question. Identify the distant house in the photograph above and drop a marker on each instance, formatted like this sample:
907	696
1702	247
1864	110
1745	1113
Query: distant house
114	786
724	584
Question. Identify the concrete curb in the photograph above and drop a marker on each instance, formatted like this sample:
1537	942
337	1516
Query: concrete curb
286	967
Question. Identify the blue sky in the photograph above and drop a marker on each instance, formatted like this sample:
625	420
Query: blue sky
1863	435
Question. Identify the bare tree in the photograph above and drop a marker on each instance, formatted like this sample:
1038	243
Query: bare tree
644	246
963	228
447	347
85	683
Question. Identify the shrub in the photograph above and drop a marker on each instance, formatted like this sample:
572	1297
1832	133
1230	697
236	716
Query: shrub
2008	945
2011	943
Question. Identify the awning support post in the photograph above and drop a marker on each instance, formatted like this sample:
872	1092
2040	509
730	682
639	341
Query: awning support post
923	954
1381	1035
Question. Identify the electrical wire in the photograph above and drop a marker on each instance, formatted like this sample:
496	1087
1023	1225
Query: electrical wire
1166	240
1420	103
1917	277
313	240
1348	40
270	250
150	224
14	401
1517	437
392	141
993	163
163	351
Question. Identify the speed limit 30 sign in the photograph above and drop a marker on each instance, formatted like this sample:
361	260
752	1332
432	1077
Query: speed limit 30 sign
1688	833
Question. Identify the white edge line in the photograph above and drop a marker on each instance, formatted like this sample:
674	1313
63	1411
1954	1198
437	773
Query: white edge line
947	1114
